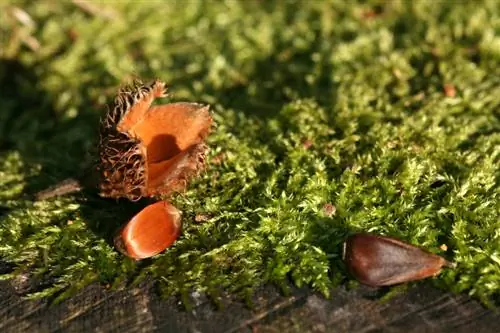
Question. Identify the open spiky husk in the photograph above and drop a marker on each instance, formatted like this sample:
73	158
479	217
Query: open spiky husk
122	159
127	165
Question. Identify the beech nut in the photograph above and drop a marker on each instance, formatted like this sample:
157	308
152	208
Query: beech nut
382	261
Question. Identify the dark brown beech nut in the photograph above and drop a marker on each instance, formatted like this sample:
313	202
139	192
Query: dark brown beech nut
382	261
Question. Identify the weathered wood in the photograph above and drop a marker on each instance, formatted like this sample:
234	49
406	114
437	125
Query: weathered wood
421	309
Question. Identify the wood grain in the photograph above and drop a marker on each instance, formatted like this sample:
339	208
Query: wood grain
421	309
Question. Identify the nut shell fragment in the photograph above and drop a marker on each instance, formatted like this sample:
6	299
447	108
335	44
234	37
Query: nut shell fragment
149	232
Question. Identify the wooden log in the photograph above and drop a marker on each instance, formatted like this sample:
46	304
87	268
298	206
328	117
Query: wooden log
420	309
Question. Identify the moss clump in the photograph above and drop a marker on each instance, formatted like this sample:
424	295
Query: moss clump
316	103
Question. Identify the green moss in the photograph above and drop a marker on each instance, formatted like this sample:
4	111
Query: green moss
316	102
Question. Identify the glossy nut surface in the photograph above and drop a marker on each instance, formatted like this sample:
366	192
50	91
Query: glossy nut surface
382	261
151	231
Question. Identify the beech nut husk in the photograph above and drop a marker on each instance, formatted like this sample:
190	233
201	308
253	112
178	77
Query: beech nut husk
150	150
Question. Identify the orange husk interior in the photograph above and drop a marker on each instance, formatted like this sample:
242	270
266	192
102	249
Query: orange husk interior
173	135
139	110
171	175
169	129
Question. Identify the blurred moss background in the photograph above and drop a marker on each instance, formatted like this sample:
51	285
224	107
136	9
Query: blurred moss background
332	117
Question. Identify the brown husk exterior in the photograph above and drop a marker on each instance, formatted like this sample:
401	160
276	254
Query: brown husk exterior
122	161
